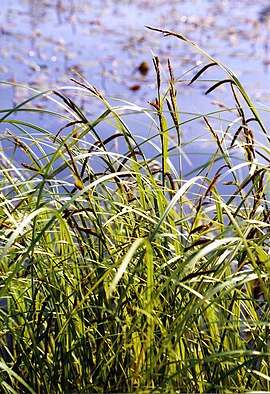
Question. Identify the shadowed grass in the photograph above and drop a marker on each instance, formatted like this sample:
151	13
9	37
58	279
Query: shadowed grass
123	267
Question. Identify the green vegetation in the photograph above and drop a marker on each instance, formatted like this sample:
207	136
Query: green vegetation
121	271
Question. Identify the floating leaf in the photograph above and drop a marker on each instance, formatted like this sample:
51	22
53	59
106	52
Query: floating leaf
143	68
135	87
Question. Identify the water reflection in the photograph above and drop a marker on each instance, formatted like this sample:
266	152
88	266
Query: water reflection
42	41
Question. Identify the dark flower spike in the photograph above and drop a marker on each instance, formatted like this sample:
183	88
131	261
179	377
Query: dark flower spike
218	84
200	228
195	274
72	106
66	126
202	70
233	78
238	131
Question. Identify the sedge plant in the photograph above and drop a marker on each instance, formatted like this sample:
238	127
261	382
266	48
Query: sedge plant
122	269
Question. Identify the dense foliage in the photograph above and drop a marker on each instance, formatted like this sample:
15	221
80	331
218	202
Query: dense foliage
120	270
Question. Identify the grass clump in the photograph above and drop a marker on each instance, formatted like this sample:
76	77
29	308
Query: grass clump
122	269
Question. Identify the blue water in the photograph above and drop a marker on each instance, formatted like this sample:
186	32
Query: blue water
106	41
46	42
